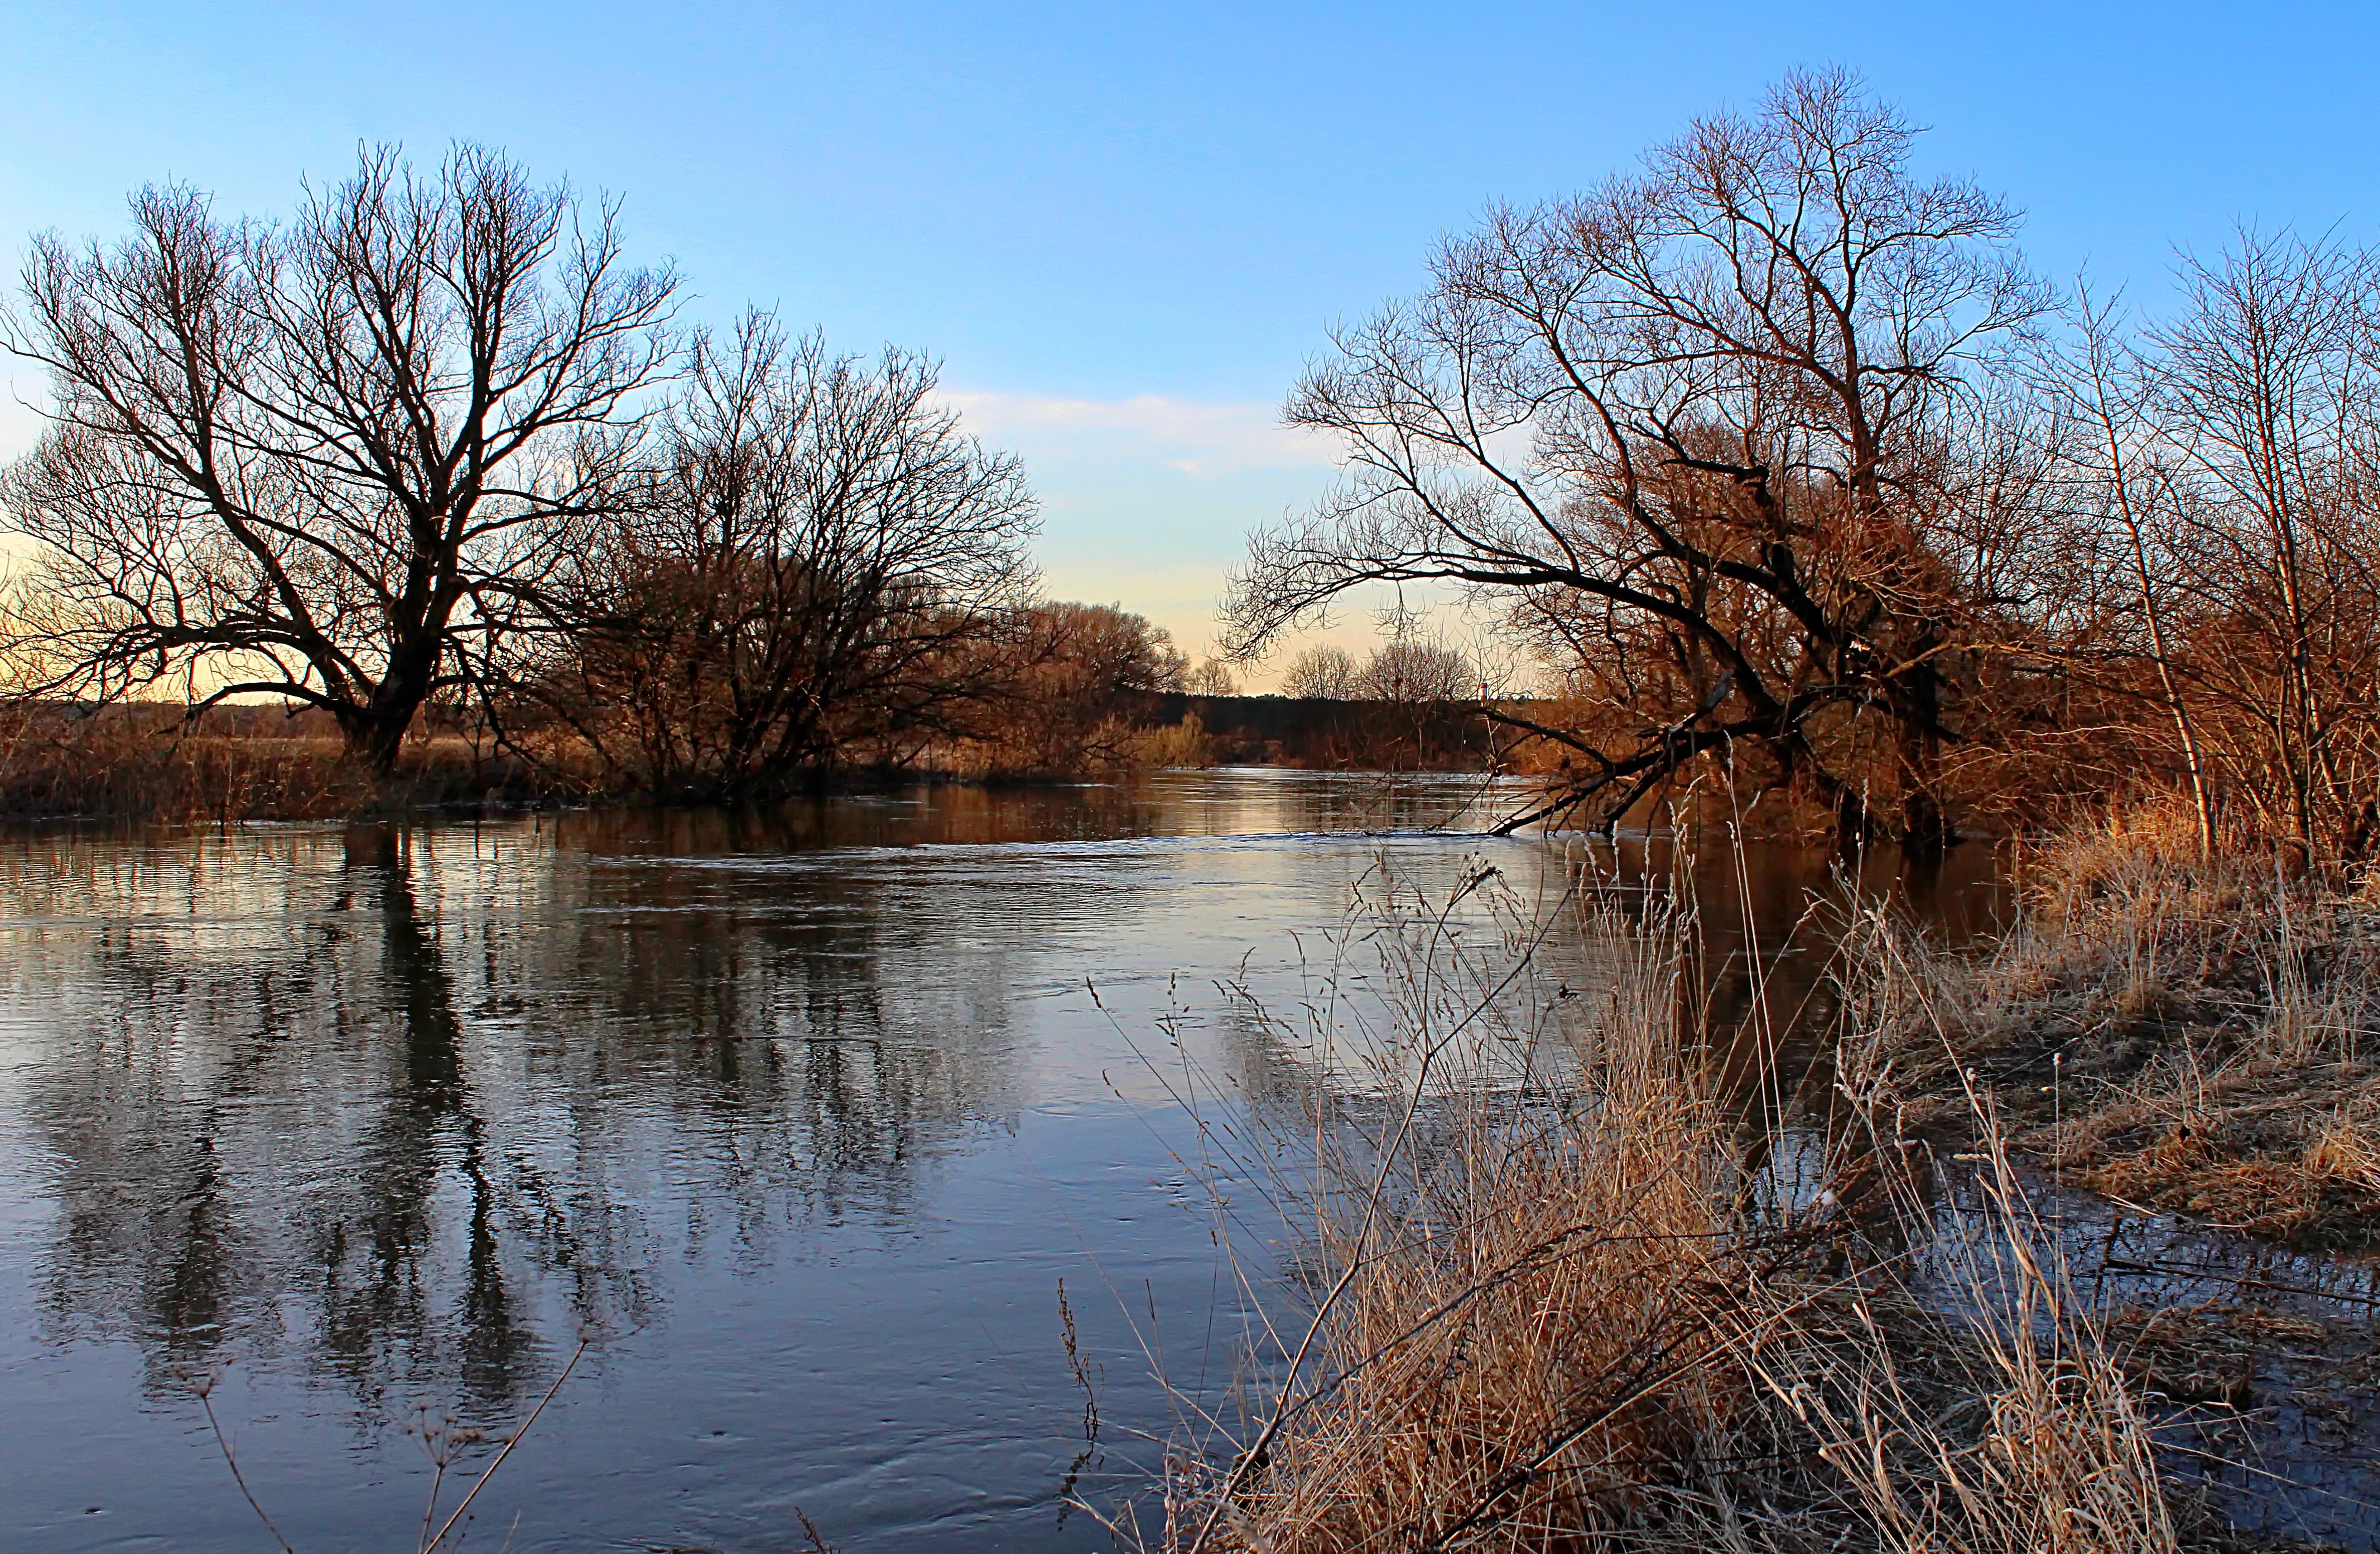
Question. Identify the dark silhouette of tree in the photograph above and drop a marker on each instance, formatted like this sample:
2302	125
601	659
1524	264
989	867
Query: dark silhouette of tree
1409	669
1321	673
328	459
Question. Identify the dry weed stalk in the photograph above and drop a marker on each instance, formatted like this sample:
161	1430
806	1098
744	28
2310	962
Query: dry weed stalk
444	1442
2021	1432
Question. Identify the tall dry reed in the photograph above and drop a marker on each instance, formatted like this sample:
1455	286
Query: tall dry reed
1553	1305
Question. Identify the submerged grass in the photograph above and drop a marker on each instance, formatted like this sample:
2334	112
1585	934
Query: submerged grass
1556	1298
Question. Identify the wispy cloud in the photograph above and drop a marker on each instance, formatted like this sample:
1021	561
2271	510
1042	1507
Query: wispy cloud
1186	435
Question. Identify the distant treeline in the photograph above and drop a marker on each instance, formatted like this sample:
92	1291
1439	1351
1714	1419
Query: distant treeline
1339	734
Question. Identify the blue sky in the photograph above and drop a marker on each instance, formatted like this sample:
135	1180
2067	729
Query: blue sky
1124	227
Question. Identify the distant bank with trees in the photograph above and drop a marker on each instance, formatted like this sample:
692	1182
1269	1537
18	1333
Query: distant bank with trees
422	493
1773	456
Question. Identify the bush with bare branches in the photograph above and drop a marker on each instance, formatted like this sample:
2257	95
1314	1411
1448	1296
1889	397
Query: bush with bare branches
822	570
1321	673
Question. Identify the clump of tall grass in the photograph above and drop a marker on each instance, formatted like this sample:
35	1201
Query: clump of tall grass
1554	1301
1525	1315
1184	744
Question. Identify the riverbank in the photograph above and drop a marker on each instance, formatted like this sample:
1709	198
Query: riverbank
1618	1316
2189	1032
234	763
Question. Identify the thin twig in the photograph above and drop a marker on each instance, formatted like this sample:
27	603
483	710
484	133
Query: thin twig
514	1440
232	1461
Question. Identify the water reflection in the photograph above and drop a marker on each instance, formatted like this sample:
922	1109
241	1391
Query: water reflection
802	1112
400	1112
442	1072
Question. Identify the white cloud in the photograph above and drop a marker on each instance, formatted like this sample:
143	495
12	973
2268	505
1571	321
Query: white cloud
1183	435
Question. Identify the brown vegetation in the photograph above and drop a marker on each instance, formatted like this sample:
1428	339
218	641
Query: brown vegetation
1780	456
820	571
1072	697
1074	708
1592	1324
2188	1031
231	763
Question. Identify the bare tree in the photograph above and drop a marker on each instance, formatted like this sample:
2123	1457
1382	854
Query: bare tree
1213	677
1697	429
1106	651
2128	483
1321	673
817	573
1076	677
327	461
2263	392
1409	669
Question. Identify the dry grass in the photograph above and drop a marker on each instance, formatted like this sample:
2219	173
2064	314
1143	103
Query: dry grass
144	763
1530	1340
2190	1034
1172	745
1595	1323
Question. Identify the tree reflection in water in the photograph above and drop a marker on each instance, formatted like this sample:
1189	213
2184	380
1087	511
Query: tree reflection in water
409	1110
392	1116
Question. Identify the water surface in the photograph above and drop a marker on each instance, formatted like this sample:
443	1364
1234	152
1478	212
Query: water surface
797	1120
800	1117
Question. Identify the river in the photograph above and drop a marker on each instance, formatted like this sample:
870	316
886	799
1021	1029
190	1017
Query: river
787	1126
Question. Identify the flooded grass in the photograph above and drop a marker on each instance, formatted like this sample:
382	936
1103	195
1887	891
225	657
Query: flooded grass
147	764
1556	1298
2073	1270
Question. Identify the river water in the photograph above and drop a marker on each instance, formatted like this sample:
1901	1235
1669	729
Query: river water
788	1127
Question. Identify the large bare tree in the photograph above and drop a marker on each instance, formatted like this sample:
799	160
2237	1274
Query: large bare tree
1721	434
326	460
815	572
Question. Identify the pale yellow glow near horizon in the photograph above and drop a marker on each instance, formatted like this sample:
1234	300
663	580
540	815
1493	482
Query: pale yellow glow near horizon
1209	471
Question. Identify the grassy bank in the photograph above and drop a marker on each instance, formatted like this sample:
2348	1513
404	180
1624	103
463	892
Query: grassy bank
2186	1032
240	764
148	762
1554	1298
